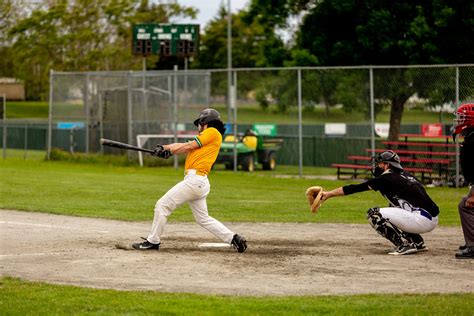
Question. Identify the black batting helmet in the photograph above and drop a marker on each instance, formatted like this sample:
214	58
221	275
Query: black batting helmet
206	116
389	157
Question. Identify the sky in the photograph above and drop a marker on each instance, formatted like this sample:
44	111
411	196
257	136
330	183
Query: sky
208	9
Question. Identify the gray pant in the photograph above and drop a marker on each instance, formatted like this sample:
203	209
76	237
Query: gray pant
467	219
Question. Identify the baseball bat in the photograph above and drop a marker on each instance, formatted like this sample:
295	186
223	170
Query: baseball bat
113	143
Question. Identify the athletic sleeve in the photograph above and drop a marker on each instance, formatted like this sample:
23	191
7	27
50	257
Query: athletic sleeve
208	136
373	184
378	183
355	188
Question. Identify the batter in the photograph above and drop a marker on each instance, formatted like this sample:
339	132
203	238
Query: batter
201	154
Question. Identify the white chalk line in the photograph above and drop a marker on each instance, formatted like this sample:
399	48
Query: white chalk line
32	254
53	226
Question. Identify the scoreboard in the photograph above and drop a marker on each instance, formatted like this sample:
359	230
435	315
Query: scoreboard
165	39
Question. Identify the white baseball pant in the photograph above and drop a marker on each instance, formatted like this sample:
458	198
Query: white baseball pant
193	190
416	221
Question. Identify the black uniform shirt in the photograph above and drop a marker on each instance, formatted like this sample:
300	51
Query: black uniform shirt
467	157
401	189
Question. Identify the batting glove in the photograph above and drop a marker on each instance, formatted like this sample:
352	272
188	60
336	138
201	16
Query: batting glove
158	150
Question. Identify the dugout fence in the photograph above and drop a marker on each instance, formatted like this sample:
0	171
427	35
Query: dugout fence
324	114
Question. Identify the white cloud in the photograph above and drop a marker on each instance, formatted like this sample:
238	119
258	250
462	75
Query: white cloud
208	9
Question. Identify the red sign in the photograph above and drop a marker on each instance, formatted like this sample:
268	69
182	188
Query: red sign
431	130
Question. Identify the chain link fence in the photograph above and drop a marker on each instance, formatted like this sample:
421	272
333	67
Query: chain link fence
321	115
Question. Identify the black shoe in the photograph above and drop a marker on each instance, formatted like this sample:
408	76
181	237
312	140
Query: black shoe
420	247
404	250
239	243
466	253
146	245
462	247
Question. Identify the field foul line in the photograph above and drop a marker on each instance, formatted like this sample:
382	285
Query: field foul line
32	254
53	226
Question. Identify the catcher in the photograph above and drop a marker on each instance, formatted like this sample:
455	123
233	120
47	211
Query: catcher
411	211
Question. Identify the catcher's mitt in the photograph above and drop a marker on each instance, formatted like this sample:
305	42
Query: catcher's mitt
314	195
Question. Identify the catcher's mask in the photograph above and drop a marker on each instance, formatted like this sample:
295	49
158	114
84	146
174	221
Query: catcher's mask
464	119
389	157
206	116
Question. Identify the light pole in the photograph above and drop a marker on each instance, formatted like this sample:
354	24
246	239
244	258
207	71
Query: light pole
231	110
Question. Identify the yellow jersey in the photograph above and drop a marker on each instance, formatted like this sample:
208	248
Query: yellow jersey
201	159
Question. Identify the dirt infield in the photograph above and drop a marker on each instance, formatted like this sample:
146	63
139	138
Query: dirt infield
282	259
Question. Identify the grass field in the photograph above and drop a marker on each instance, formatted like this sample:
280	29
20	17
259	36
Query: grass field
22	298
129	193
112	189
253	113
27	109
106	190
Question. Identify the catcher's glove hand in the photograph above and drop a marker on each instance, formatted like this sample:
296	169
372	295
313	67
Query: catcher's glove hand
314	195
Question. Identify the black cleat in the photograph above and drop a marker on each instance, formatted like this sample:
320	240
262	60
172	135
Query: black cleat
146	245
466	253
420	247
239	243
404	250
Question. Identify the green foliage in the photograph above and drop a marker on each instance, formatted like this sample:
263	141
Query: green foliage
404	32
253	45
107	188
23	297
80	35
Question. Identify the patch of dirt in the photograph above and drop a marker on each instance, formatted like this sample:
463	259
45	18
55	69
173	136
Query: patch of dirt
282	259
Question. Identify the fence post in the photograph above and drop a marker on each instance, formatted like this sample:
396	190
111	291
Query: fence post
129	112
101	122
372	111
175	113
208	89
457	143
233	97
50	114
300	125
26	142
145	95
4	118
87	113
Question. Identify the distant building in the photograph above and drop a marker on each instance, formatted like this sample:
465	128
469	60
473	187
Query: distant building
13	88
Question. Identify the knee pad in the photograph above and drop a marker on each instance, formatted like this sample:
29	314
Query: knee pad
383	226
375	217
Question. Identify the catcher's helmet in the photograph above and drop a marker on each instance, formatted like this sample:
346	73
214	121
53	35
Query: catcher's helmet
389	157
206	116
464	118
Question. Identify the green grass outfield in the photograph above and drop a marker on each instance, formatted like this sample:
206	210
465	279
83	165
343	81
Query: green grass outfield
31	298
129	193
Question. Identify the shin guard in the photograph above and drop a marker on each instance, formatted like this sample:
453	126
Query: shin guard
384	227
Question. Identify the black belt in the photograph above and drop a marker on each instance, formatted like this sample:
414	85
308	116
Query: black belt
425	214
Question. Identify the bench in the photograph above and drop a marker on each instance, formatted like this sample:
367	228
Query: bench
365	168
441	164
417	144
440	137
407	159
415	153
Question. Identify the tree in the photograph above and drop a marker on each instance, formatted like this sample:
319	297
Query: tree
80	35
406	32
252	44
